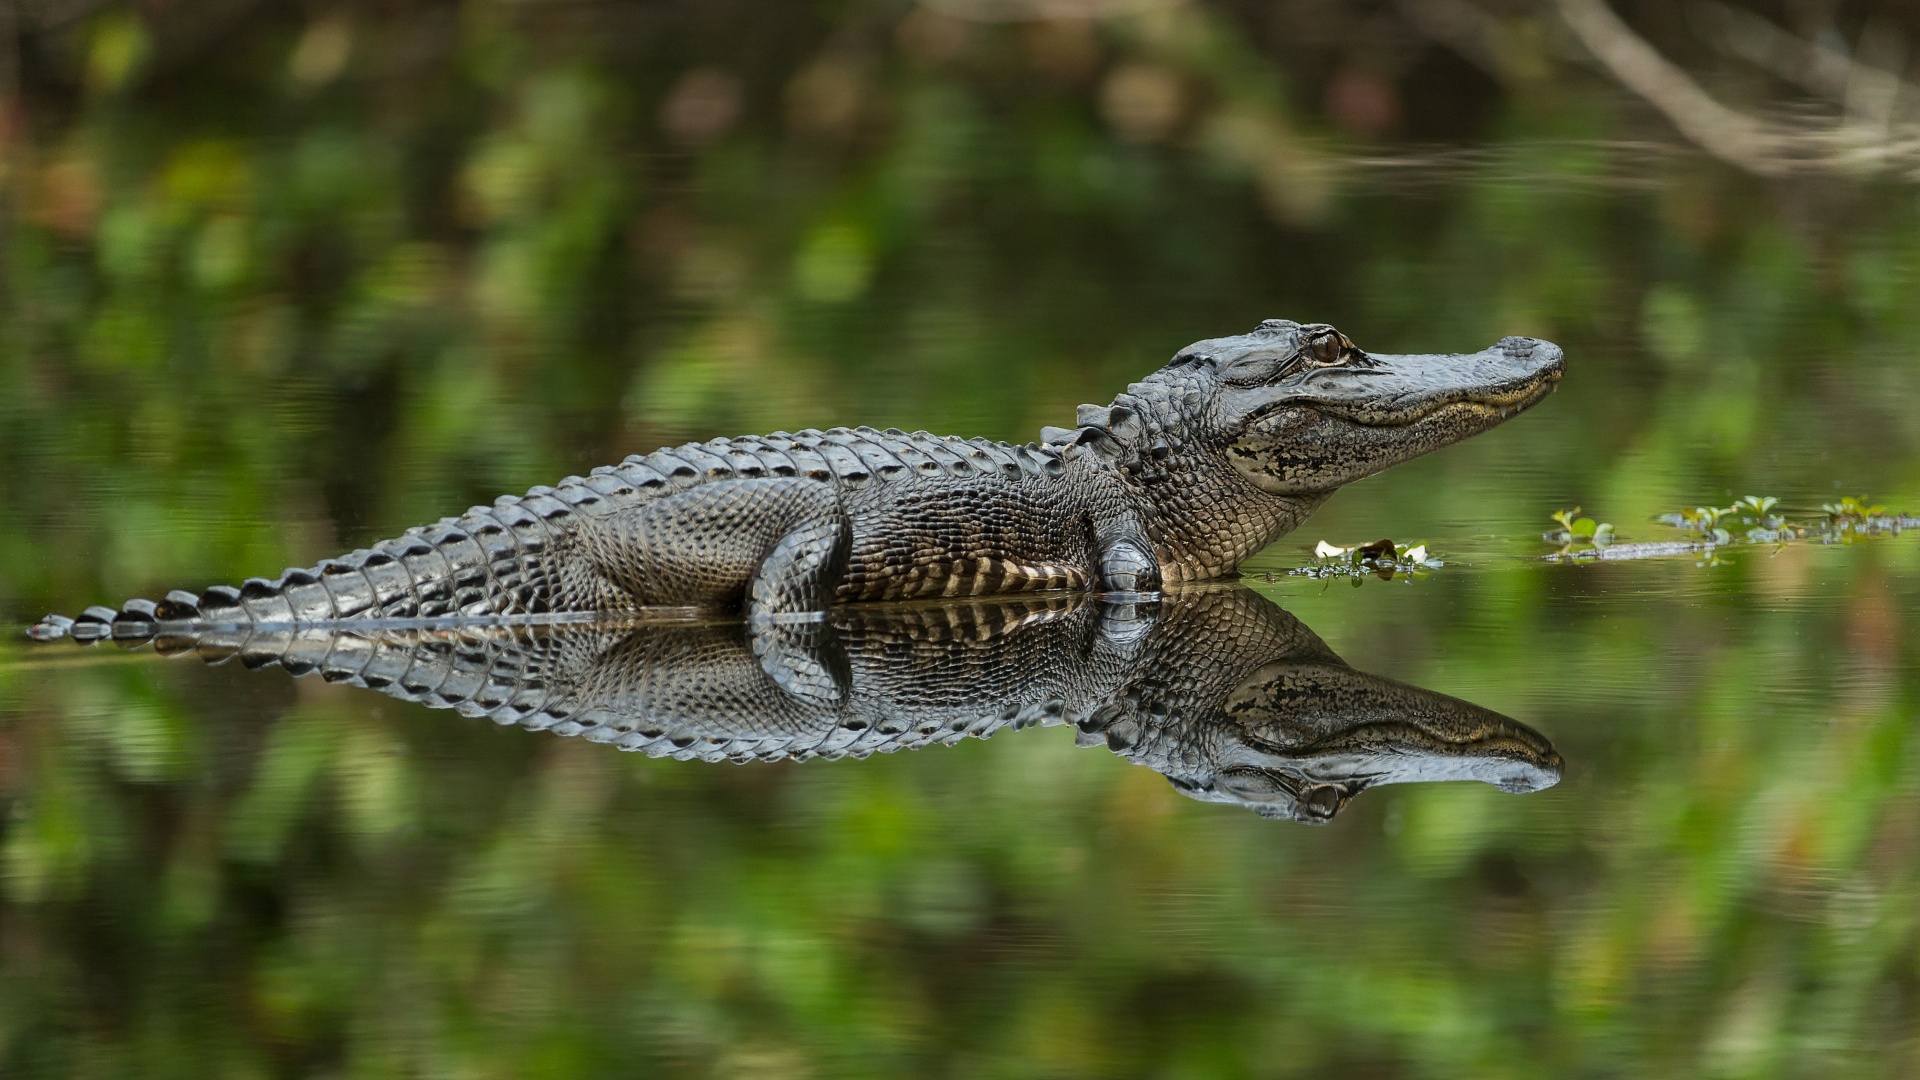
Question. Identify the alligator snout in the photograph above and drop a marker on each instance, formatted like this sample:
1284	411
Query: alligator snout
1513	374
1401	389
1537	360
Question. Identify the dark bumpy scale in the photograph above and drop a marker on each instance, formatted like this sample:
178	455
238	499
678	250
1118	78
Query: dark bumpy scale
1218	689
1182	477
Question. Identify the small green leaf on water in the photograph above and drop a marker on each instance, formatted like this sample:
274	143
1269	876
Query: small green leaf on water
1583	527
1852	507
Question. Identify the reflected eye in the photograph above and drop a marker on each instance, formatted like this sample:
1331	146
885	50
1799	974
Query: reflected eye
1320	804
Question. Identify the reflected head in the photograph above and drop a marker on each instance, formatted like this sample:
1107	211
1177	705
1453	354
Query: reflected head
1298	739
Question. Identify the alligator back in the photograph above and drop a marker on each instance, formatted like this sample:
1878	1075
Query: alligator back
501	560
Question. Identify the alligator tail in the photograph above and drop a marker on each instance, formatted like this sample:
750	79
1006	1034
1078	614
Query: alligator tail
490	561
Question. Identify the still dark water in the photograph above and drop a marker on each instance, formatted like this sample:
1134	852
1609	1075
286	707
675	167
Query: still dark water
253	329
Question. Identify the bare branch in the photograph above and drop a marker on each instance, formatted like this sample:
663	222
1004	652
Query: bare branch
1866	90
1725	133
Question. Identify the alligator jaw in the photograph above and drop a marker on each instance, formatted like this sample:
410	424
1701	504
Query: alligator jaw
1493	410
1490	412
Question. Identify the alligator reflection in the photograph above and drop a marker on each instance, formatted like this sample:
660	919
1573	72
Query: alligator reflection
1222	691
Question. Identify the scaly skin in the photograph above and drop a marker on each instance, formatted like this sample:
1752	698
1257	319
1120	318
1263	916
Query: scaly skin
1214	687
1180	479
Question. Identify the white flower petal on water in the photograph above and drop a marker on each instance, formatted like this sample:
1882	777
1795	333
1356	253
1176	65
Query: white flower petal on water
1324	550
1417	553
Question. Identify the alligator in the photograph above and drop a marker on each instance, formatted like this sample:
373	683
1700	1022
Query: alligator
1181	478
1215	687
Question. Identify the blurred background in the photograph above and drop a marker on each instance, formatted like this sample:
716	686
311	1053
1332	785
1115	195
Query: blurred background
280	279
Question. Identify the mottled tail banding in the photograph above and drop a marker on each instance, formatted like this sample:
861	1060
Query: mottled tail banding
488	562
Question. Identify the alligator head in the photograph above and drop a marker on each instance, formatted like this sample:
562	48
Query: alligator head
1300	737
1237	439
1304	410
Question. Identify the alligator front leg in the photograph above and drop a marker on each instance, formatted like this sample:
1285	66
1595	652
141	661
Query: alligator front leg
1127	565
774	546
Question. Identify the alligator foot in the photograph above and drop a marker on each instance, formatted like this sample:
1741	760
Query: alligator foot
1127	566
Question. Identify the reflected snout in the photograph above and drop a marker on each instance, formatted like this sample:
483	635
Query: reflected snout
1520	776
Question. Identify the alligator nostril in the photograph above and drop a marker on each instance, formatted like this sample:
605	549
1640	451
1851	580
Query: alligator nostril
1518	347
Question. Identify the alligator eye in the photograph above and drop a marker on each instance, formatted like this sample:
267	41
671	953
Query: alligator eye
1326	347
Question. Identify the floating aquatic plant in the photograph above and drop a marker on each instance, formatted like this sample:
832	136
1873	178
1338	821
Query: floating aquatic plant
1575	529
1712	527
1702	521
1850	509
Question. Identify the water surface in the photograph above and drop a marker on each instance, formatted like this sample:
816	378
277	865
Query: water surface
265	328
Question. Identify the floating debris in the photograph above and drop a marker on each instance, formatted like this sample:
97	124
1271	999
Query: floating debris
1382	559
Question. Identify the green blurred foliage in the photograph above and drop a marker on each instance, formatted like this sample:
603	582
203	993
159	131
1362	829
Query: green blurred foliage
278	282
